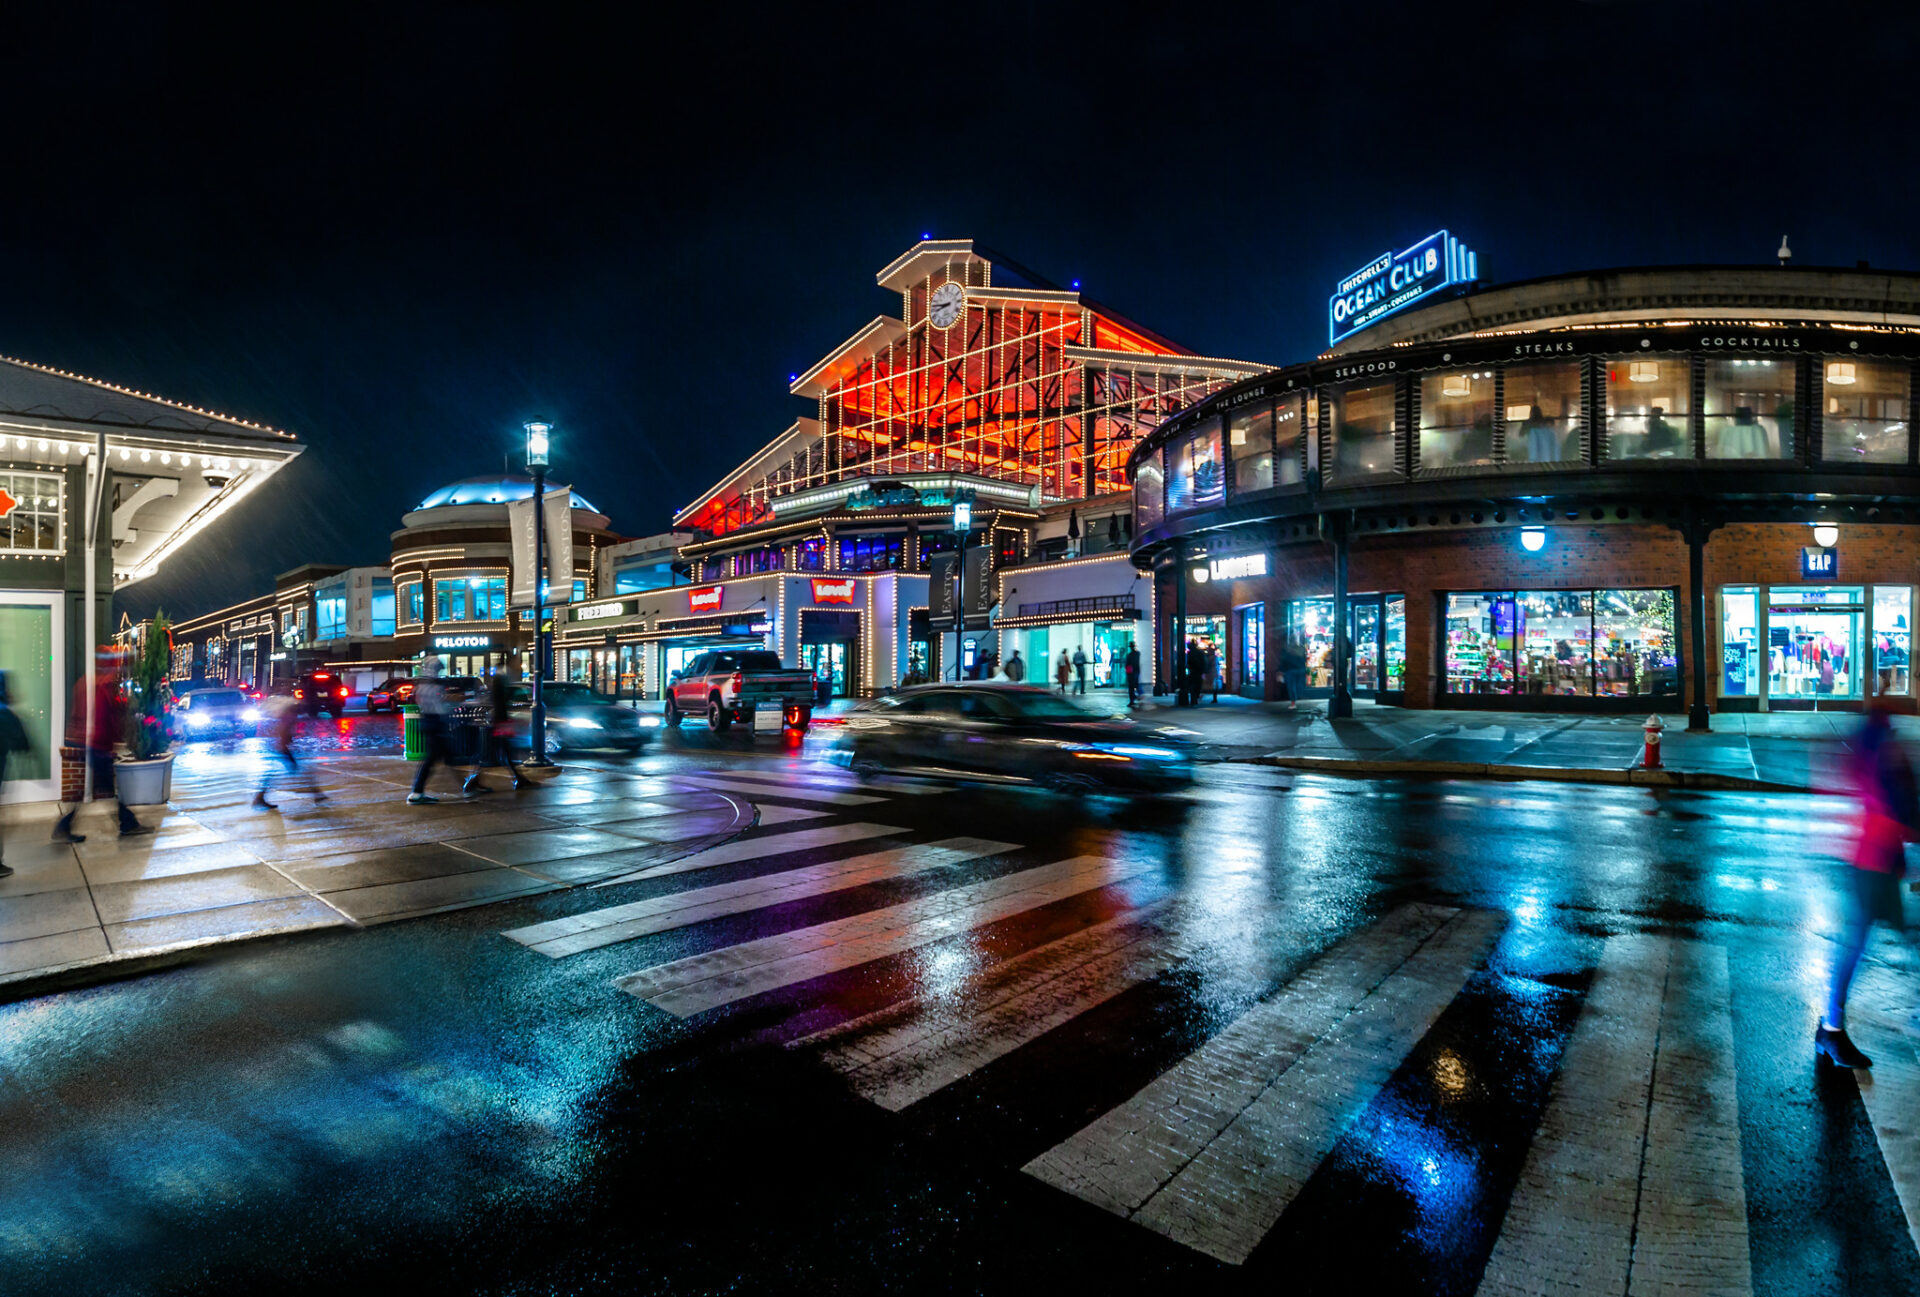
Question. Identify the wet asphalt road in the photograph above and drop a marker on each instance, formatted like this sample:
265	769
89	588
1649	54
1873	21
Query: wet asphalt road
433	1107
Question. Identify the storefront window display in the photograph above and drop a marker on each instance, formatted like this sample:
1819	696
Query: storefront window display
1456	419
1394	642
1149	505
1365	677
1291	418
1198	478
1253	645
1310	626
810	555
1210	633
1865	419
1543	412
1892	639
33	521
1110	645
1648	404
1814	643
1749	408
1740	657
1363	427
1568	643
1250	439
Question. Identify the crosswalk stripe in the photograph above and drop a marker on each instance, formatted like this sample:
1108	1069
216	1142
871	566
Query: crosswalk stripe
903	1053
697	983
764	847
1633	1180
822	780
1881	1002
560	938
787	814
792	791
1212	1152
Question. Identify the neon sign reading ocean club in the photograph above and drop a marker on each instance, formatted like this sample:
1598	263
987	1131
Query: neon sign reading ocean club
1393	281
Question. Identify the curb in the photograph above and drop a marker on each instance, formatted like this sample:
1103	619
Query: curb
1700	779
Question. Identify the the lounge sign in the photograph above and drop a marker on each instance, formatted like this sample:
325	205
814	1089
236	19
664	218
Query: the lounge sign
1238	568
1393	281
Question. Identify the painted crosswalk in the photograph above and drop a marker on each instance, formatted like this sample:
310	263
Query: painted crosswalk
759	848
792	790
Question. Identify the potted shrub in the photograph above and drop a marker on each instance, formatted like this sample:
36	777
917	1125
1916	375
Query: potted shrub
144	777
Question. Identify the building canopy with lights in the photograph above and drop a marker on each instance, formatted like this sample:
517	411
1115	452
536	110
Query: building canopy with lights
99	486
1646	489
986	386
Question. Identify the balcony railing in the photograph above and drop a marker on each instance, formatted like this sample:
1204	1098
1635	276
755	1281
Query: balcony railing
1073	607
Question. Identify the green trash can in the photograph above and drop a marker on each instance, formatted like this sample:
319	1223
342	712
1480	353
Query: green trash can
410	732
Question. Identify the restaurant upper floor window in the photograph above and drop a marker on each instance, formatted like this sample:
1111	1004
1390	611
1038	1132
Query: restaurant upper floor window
871	553
1362	420
1149	505
1250	443
332	609
381	611
33	525
1456	419
450	600
1291	419
1866	404
1748	410
810	555
1649	401
1196	476
413	602
1543	412
769	559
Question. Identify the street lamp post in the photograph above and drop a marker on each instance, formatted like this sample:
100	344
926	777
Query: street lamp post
963	529
537	462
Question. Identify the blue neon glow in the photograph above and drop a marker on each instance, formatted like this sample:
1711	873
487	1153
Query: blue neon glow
1394	281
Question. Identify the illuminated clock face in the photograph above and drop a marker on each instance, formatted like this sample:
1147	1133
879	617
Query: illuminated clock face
943	308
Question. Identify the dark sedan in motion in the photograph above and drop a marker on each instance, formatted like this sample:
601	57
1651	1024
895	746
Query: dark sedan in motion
1012	733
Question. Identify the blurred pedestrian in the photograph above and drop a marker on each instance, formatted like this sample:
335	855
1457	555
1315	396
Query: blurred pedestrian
1062	671
430	696
109	723
1133	674
1079	670
497	750
13	738
1016	668
1213	674
1889	811
1293	670
282	716
1196	672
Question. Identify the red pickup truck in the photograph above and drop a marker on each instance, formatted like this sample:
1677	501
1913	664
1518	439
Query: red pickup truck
729	685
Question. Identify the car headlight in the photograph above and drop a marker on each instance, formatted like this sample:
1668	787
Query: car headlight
250	715
649	722
199	720
580	723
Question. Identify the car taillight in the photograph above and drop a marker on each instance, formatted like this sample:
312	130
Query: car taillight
739	681
299	694
343	692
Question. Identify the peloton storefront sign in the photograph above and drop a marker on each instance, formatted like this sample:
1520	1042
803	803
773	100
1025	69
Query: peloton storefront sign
1393	281
442	643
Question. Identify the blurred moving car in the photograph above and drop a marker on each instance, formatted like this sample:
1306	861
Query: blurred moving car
577	719
321	691
215	712
391	694
1012	734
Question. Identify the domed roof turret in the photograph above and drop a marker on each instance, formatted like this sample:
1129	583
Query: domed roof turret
492	488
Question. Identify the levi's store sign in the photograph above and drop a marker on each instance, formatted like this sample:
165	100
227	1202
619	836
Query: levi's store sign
829	591
706	599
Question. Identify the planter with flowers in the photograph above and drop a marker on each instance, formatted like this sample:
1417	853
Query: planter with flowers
144	777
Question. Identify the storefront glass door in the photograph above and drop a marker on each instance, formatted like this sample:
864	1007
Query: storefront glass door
1110	645
1310	625
1211	634
1364	622
1253	648
1814	643
1892	639
828	662
31	633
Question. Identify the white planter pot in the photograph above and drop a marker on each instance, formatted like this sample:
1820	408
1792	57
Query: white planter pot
144	783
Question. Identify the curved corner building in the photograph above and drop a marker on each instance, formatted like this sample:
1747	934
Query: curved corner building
1628	490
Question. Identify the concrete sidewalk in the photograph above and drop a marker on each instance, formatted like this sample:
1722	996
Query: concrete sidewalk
1779	751
216	870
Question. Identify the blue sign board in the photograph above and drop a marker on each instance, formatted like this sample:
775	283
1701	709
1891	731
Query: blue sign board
1393	281
1817	564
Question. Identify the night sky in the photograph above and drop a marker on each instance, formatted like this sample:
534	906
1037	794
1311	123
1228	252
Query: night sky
399	232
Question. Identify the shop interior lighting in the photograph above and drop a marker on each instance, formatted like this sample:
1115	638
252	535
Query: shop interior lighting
1840	372
1826	535
1643	371
1456	385
1533	539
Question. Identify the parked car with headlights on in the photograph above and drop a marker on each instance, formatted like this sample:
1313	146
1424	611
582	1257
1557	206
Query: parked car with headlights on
213	713
1012	734
391	694
578	719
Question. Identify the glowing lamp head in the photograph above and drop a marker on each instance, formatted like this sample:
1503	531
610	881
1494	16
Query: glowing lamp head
1826	535
1841	373
1533	539
1643	371
1200	575
537	436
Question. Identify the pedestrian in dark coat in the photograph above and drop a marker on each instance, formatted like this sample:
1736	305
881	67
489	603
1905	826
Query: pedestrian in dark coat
13	739
1196	671
1133	674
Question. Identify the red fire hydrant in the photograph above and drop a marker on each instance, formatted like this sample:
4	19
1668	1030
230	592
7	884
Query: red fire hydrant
1652	729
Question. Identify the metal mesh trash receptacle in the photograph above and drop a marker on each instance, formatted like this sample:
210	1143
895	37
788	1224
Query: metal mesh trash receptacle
467	731
410	733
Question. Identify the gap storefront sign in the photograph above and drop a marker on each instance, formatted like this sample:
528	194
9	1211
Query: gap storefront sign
1394	281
